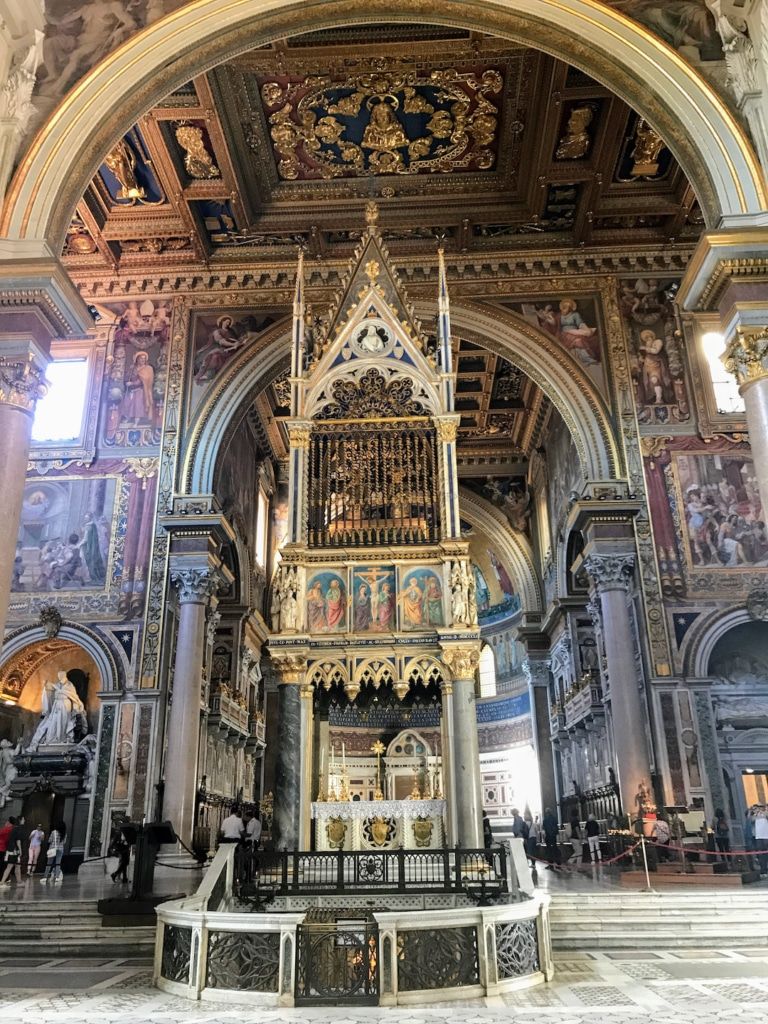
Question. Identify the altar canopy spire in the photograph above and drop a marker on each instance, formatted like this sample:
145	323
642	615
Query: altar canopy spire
297	345
444	331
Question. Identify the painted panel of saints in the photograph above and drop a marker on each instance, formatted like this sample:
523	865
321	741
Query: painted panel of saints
420	599
65	535
574	323
721	508
136	386
216	338
374	600
326	603
658	367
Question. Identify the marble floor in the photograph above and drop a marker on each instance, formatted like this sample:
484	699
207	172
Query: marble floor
686	987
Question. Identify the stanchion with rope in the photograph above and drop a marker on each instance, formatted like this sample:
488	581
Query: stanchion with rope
648	886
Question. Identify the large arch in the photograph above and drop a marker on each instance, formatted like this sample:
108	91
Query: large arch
93	643
552	368
513	547
701	639
704	136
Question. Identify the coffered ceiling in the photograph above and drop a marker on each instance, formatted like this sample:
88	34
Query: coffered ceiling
490	145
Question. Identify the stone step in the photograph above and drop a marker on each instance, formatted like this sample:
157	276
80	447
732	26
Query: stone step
652	940
90	948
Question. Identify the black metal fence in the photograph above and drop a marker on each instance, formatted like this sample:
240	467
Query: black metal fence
337	964
475	872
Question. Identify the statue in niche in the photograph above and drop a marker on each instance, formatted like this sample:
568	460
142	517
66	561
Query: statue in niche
458	597
88	746
63	711
289	602
8	770
370	340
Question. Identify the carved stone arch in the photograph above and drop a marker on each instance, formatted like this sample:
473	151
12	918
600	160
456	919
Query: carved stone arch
649	75
376	671
700	640
95	644
552	369
320	394
422	670
245	376
513	547
326	674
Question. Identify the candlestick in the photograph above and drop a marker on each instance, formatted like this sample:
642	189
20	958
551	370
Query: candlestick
343	757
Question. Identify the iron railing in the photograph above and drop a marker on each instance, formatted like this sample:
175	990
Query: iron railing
480	872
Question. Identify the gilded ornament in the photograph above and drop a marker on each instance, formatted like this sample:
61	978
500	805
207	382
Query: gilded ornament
648	147
462	661
446	430
197	160
121	160
576	142
21	383
336	831
746	357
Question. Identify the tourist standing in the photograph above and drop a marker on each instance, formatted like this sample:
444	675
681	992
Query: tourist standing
593	839
54	854
5	835
761	839
14	852
232	828
122	850
550	827
36	837
722	834
253	832
749	836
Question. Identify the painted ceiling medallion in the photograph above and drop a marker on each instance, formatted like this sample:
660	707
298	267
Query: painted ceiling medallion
384	123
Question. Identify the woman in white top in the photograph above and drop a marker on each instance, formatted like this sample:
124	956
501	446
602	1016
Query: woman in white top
53	854
36	837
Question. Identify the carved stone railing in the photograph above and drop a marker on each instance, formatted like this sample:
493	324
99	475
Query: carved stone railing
228	714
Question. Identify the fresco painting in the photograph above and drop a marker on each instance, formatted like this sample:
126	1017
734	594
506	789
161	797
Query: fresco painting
326	603
420	599
65	535
374	600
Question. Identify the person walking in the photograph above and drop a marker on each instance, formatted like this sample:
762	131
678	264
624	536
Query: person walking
122	850
54	854
550	827
749	836
761	839
593	839
232	828
722	834
14	852
36	837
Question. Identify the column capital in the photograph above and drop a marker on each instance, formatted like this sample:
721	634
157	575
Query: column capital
195	585
462	659
537	671
299	432
291	667
610	571
21	383
746	356
447	428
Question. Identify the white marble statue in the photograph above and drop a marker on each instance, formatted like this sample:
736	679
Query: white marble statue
88	746
62	709
8	770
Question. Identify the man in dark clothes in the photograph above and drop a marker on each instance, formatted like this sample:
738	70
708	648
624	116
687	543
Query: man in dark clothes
550	826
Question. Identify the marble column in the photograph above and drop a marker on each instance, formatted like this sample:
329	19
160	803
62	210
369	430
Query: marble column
195	587
611	576
747	359
465	770
447	748
21	384
294	754
538	676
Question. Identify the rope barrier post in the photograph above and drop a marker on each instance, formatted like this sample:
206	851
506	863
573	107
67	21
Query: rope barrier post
648	887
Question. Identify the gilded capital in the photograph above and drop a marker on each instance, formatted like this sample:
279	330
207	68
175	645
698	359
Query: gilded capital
290	667
462	660
747	355
195	586
21	383
446	430
610	572
298	436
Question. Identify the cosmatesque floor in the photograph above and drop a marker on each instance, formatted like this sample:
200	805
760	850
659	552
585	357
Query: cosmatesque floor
686	987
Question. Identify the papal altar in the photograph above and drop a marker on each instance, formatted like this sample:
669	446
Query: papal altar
379	824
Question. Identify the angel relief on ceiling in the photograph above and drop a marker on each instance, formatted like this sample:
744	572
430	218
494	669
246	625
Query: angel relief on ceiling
394	123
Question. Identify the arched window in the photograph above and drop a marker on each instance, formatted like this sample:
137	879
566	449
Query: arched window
487	672
724	385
